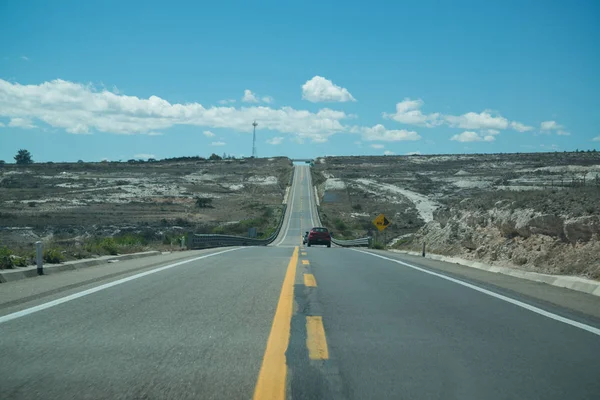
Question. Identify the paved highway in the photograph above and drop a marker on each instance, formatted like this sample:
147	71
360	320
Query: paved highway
287	321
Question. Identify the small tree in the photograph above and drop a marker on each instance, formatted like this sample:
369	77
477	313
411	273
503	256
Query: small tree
214	156
2	162
23	157
203	202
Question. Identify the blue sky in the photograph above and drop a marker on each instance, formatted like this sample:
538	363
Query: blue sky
121	80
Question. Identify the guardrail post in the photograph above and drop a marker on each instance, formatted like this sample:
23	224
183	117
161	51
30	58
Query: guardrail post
423	248
39	258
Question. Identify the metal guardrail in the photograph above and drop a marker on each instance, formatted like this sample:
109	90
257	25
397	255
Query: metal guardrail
366	241
204	241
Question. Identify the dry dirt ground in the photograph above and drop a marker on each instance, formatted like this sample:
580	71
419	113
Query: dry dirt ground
537	211
66	201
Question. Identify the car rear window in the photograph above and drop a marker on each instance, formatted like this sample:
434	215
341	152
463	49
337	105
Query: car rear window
319	229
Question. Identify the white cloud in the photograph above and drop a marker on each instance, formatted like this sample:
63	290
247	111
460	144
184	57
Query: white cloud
319	89
379	133
596	139
550	125
470	136
377	146
218	143
25	58
80	129
413	153
408	112
208	134
388	153
2	125
359	143
80	108
144	156
490	132
24	123
227	101
319	138
249	97
471	120
517	126
276	140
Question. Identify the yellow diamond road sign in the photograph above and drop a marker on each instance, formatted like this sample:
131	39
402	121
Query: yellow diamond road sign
381	222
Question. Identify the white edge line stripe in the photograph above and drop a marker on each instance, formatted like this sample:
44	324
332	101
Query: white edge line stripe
77	295
518	303
287	228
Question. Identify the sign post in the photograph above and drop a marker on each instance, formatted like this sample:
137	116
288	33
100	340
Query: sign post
39	261
381	222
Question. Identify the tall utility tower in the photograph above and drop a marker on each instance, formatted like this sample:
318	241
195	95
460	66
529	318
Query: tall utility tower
254	124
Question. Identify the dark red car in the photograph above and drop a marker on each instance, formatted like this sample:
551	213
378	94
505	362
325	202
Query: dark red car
319	236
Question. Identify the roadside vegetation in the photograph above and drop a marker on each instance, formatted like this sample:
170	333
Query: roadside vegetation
59	250
88	209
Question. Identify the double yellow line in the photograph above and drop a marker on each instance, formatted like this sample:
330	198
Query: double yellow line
271	383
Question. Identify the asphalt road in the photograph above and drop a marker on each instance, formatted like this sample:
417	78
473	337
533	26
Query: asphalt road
305	323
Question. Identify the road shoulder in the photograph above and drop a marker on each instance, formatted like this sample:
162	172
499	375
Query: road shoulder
584	306
23	293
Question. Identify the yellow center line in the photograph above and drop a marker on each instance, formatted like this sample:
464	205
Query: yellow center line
309	280
271	382
315	339
305	262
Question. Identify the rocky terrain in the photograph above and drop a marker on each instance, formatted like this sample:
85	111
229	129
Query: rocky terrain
538	211
67	203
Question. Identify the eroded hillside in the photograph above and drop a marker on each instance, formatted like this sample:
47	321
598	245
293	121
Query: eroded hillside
536	211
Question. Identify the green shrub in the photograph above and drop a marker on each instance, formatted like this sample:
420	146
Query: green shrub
204	202
339	224
218	230
20	262
6	261
53	256
130	240
109	245
378	246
